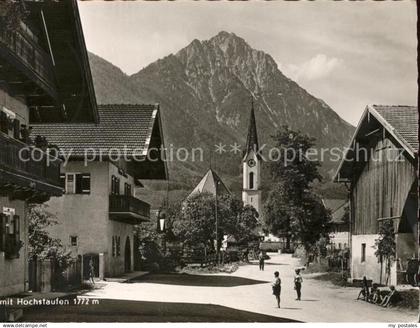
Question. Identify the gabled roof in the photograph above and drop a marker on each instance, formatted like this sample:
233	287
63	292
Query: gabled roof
131	130
252	137
210	183
337	207
60	30
400	122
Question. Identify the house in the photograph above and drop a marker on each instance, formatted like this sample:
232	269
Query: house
106	162
212	184
339	237
379	168
44	77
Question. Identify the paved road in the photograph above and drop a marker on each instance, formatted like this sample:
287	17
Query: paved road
321	301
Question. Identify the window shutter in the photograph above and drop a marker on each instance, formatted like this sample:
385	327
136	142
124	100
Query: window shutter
113	185
2	232
16	227
3	122
118	246
63	180
70	183
86	183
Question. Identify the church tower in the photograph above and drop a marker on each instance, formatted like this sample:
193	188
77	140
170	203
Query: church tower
251	167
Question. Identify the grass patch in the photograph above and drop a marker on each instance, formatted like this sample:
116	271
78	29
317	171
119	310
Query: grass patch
409	299
195	269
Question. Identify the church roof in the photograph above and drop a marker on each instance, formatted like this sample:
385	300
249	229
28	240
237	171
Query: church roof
210	183
129	130
252	137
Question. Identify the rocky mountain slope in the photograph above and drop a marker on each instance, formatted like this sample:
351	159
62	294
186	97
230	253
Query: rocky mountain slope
205	92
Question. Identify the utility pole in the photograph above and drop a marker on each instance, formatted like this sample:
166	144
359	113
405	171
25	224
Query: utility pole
217	225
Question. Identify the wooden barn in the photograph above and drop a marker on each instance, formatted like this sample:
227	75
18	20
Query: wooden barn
379	169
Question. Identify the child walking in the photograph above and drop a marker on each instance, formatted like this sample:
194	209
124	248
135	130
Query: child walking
298	284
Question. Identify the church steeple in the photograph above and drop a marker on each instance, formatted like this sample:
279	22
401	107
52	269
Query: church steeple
252	137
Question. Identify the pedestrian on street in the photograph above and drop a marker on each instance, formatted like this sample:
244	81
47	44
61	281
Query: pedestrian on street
261	261
276	286
298	284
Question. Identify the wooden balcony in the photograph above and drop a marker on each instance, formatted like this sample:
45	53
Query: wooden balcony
22	176
128	209
27	68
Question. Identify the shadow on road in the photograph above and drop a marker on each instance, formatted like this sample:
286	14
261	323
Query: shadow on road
197	280
132	311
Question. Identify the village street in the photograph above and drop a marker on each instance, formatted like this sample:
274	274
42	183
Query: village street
248	289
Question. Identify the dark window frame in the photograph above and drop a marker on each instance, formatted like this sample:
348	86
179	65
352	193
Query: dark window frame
363	251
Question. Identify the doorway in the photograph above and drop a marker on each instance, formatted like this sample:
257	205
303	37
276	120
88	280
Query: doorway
127	255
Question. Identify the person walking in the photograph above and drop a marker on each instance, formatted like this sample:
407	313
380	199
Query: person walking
276	286
298	284
261	260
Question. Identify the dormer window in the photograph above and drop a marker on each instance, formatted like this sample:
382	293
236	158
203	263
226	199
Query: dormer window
76	183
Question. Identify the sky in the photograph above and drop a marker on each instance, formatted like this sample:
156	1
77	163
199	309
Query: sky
349	54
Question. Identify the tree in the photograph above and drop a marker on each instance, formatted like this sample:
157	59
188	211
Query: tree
195	226
386	246
12	12
292	208
41	245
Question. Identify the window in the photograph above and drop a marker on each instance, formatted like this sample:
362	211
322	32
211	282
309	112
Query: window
251	180
363	258
339	245
127	189
116	246
73	240
115	185
76	183
85	183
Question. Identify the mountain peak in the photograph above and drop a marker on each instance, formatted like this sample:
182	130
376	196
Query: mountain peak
223	35
225	39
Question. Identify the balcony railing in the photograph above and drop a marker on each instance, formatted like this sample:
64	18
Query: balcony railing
25	48
126	208
28	162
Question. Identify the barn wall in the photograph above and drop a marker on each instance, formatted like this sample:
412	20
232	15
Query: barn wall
382	187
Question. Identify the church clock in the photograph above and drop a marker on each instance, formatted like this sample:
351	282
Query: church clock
251	163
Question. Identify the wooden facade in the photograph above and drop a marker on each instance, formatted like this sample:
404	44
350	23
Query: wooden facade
382	188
